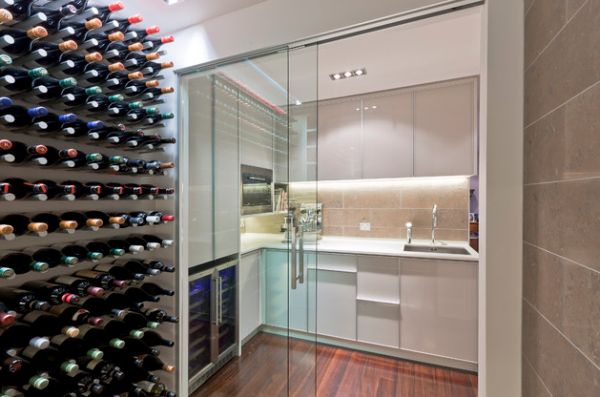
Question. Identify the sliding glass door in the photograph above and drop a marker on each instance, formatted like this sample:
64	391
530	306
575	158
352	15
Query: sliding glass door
251	144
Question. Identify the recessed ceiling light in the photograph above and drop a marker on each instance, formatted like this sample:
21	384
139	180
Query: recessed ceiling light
171	2
337	76
298	102
366	108
348	74
373	107
359	72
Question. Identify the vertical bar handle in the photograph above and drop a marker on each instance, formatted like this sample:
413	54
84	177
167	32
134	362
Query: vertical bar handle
301	256
215	301
220	300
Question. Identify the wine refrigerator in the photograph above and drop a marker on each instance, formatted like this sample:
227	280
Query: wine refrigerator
213	318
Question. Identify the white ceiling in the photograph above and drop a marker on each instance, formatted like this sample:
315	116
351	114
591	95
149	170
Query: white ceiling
180	15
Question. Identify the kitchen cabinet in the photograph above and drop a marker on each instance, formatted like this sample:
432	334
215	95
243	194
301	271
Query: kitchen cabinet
445	129
336	304
339	132
439	307
387	135
250	303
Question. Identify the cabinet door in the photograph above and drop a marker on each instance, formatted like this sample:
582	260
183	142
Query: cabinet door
336	304
200	315
387	135
439	307
445	129
340	152
249	294
275	300
227	315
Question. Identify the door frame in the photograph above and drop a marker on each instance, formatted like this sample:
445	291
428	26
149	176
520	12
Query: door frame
500	171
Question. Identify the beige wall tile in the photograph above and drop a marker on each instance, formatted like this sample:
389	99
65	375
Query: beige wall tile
569	65
573	6
383	198
543	21
452	196
568	295
330	198
565	371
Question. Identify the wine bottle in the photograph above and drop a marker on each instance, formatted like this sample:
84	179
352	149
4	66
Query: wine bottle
120	109
113	163
74	347
14	152
7	317
125	23
95	305
138	267
137	87
83	221
153	338
54	15
100	103
101	279
82	383
79	252
119	329
118	51
96	72
138	35
117	81
104	370
149	191
105	249
54	223
47	324
117	300
58	190
155	44
108	221
21	301
151	69
19	116
135	60
135	116
159	266
76	29
153	363
136	294
47	54
108	192
17	42
18	80
52	122
81	160
117	190
99	337
102	11
6	16
118	272
167	191
79	286
46	88
155	239
21	225
153	94
70	314
160	316
156	290
51	256
103	133
73	64
156	119
50	360
134	319
21	189
19	335
99	41
125	246
55	156
53	293
74	97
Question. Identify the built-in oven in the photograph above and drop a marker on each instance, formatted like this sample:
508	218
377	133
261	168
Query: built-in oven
257	190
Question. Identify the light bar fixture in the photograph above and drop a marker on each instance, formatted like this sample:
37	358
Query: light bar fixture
348	74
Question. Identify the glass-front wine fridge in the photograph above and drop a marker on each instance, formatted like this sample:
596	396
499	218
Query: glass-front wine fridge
213	319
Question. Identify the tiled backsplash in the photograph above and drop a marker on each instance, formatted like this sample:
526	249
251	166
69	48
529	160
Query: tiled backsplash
387	205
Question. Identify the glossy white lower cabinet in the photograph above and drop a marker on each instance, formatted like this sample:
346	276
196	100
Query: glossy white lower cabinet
250	288
405	306
439	307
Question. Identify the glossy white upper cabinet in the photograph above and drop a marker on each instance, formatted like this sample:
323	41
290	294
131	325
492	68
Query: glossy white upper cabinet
340	143
445	129
387	135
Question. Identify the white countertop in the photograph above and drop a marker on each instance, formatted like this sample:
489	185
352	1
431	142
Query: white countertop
356	245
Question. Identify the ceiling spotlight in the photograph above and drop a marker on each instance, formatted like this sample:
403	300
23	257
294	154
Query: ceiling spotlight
171	2
373	107
298	102
348	74
366	108
359	72
337	76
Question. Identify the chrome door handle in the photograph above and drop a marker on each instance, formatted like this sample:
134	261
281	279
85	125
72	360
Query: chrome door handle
220	319
294	269
215	302
301	257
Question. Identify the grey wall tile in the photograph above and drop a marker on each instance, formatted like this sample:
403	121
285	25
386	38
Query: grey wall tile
570	64
567	294
565	371
543	21
532	384
573	6
564	218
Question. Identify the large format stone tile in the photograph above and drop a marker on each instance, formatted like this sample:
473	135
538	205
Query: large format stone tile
532	385
565	144
565	371
564	218
570	64
573	6
543	21
567	294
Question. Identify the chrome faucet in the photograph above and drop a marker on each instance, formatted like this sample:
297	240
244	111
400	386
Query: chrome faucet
409	231
434	221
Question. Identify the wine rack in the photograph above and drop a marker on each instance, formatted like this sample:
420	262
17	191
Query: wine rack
84	118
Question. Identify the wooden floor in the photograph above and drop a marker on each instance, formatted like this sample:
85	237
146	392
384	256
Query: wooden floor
262	372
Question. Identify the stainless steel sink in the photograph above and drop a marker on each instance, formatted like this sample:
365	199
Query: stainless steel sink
438	249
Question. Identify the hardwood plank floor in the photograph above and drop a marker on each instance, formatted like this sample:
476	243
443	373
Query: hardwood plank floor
262	371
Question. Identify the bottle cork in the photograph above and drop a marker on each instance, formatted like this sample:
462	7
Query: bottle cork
93	222
135	47
68	45
37	227
116	36
93	57
93	24
113	67
135	75
68	225
37	32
